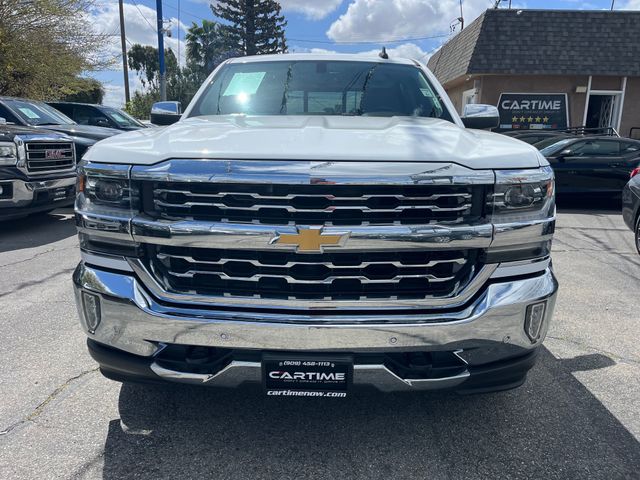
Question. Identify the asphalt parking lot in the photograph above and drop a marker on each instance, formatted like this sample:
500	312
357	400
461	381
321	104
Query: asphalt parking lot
578	415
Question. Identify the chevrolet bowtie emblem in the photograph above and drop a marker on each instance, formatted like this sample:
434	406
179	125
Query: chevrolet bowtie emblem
310	239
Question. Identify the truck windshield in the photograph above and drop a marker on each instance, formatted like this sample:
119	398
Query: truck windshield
321	88
37	113
121	118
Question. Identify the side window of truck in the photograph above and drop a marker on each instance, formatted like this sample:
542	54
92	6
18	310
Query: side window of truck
8	115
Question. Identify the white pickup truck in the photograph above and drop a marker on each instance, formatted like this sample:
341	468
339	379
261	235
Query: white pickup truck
314	223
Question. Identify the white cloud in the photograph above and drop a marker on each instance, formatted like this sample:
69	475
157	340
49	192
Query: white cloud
405	50
140	27
114	92
312	9
113	95
629	5
380	20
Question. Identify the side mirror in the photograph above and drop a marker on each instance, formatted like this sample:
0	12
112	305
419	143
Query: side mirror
101	122
564	153
480	116
166	113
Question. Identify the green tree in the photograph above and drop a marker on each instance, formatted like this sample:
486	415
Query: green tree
84	90
45	45
254	27
207	47
181	83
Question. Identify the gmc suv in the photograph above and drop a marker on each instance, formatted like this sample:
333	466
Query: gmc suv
312	223
37	171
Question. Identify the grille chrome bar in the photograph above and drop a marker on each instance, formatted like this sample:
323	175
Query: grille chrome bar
326	281
190	233
289	208
307	195
258	263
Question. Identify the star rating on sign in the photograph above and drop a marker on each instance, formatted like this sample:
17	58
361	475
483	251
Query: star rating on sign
522	119
530	119
545	119
538	119
514	119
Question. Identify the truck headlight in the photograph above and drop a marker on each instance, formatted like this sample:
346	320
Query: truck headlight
8	154
102	192
522	209
523	195
106	202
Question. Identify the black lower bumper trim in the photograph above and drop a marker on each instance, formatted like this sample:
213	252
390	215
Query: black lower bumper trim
122	366
499	376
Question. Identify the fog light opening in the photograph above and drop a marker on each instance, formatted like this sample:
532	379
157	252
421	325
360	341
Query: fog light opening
91	307
533	319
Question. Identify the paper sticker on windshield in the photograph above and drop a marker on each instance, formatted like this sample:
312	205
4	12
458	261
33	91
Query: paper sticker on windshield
28	112
246	83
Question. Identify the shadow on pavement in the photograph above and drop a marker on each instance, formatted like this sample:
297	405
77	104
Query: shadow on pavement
552	427
37	230
586	204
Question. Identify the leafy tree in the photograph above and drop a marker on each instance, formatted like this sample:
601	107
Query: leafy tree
207	47
254	27
181	83
84	90
45	45
144	60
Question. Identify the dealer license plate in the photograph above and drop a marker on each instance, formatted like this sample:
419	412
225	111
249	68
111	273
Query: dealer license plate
59	194
307	376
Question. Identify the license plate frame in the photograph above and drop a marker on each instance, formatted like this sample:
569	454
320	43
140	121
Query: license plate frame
301	375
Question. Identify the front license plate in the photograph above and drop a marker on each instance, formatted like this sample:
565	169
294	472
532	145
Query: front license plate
59	194
307	376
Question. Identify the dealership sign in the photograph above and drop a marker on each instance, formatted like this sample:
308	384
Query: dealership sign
533	111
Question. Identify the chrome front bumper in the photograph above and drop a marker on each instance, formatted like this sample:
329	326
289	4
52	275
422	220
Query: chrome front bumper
489	330
24	192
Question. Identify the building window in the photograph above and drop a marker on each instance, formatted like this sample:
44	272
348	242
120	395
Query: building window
468	97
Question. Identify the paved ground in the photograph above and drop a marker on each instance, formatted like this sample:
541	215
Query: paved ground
578	416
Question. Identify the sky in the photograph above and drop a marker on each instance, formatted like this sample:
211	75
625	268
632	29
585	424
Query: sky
408	28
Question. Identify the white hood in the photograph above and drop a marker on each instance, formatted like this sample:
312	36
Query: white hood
321	138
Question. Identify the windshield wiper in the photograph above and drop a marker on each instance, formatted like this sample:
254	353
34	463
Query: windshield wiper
364	87
283	105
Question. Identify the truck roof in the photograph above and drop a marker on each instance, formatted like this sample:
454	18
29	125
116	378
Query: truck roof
334	57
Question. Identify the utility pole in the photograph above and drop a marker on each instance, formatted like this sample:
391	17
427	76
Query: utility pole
613	4
461	17
125	68
163	78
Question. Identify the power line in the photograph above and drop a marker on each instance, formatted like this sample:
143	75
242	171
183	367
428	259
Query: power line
369	42
185	12
142	15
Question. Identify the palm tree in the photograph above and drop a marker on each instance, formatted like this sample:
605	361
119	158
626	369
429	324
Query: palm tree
206	47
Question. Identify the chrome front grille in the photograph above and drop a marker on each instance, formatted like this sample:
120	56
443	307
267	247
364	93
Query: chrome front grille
46	157
229	233
321	276
316	204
